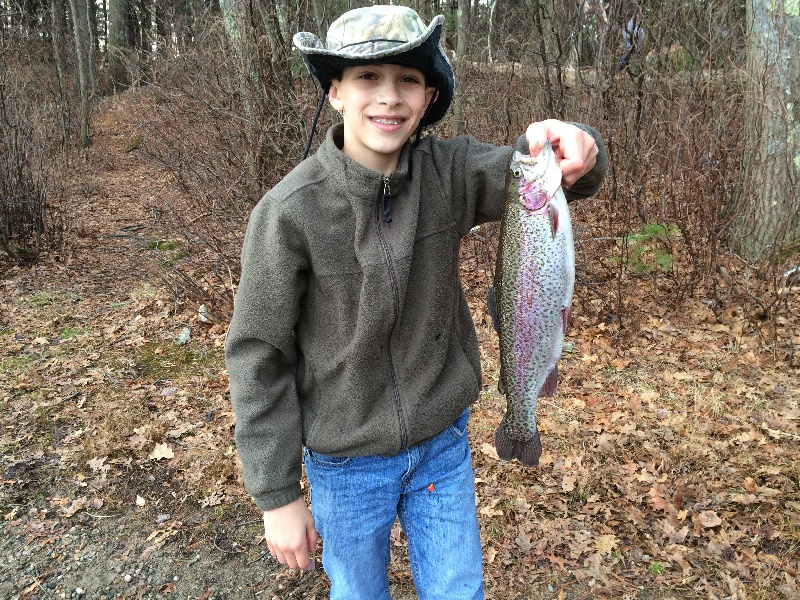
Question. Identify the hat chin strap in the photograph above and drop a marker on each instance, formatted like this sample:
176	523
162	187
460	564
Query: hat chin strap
314	124
425	114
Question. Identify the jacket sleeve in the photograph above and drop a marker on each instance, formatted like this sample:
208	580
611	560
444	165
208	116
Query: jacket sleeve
473	177
589	184
475	173
261	357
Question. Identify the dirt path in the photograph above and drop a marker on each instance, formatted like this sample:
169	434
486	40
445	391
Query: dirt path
129	530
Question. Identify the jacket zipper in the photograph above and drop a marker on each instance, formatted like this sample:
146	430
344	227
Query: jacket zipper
386	197
385	207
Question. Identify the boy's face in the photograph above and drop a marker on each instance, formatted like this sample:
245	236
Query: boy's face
382	105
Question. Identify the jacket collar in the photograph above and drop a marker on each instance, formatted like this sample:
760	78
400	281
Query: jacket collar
353	178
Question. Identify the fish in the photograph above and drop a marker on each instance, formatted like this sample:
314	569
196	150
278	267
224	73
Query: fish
531	297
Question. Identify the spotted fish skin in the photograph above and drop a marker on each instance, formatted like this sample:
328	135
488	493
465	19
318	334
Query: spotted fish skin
531	297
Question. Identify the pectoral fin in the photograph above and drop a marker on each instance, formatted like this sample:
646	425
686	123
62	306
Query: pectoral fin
553	214
550	384
491	303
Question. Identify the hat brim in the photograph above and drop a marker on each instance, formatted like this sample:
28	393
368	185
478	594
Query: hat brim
424	53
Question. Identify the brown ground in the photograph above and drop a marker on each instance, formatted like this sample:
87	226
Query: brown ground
670	467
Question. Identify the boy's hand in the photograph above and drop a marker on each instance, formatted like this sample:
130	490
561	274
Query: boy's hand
575	149
290	534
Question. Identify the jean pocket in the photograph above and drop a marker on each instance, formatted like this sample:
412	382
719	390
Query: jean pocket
458	428
325	460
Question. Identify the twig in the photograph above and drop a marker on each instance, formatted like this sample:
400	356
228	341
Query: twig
248	522
261	556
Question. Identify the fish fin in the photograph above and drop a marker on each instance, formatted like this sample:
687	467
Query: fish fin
491	304
550	383
566	312
553	214
527	452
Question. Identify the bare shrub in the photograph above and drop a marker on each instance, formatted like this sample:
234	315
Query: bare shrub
671	120
673	126
30	195
225	139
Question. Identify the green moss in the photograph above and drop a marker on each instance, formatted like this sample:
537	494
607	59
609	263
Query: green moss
15	364
656	568
168	361
41	299
71	332
163	245
47	298
650	250
134	144
172	262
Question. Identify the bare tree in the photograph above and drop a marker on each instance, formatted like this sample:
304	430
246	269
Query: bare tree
118	43
460	67
768	202
59	37
84	54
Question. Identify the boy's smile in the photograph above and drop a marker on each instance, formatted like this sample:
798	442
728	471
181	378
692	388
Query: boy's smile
382	106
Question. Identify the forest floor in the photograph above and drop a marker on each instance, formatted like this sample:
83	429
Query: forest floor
671	464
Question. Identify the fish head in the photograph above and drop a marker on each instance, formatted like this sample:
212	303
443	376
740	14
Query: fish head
528	175
538	177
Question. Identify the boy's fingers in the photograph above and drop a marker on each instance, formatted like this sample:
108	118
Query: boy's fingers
575	149
312	539
579	158
537	134
295	560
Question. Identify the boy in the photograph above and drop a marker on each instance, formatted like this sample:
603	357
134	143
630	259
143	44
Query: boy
351	342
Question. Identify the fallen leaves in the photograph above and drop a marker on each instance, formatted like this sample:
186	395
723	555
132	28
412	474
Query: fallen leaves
67	507
161	451
159	537
707	518
660	467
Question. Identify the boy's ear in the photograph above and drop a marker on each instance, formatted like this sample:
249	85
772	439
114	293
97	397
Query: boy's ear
431	93
333	97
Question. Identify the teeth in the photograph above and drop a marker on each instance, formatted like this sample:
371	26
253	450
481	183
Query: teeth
388	121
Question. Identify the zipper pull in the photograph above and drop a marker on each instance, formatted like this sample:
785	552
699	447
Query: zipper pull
387	201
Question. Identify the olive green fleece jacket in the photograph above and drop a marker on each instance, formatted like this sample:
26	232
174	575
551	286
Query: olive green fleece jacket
350	335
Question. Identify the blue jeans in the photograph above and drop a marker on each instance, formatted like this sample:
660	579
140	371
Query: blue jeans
430	487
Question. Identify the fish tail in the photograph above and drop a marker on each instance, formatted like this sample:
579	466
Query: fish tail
527	452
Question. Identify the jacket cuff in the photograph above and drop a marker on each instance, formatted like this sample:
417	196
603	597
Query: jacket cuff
278	498
589	184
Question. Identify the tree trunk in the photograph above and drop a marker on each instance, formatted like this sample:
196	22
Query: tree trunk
83	52
319	16
118	47
59	24
278	50
144	44
767	204
490	58
460	98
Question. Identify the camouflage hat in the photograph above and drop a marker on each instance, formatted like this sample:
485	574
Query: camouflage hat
382	34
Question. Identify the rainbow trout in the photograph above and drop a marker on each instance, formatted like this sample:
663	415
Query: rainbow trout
531	297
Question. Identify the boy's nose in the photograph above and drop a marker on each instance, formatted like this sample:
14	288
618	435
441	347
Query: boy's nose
389	94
